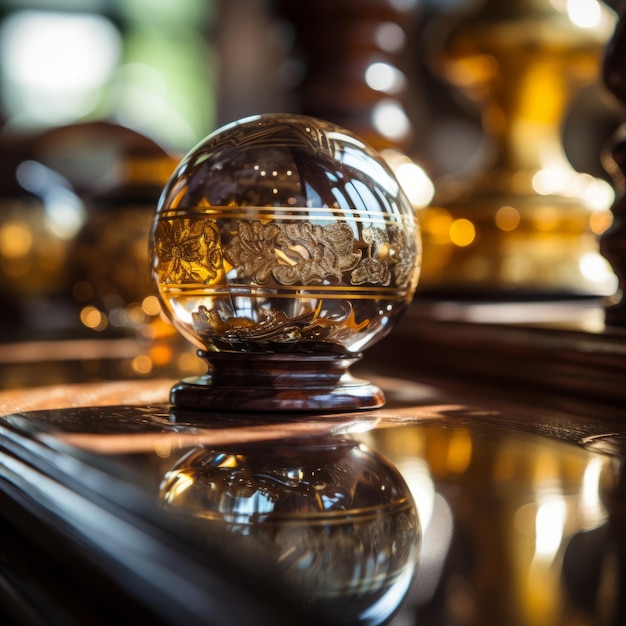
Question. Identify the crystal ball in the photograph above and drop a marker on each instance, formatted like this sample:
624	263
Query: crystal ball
284	233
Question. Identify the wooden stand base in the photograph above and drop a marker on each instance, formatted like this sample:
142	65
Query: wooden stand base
277	382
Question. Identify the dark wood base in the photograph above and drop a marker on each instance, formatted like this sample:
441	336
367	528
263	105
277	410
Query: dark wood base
277	382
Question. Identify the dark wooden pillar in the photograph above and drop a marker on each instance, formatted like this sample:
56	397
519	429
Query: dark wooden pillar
613	241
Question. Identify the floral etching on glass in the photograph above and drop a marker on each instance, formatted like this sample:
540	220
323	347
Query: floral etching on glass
188	251
306	253
303	252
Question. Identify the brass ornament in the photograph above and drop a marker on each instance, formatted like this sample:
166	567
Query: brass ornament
526	224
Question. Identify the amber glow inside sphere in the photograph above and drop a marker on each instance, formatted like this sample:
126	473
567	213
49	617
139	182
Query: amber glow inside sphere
284	233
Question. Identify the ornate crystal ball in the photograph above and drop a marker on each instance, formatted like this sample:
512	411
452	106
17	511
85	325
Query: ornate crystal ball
283	246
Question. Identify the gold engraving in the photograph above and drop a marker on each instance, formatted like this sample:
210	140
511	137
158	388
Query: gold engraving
275	329
384	255
374	268
306	253
188	251
403	257
309	260
252	250
303	253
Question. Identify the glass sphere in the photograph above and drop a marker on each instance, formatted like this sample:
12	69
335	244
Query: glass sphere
284	233
335	520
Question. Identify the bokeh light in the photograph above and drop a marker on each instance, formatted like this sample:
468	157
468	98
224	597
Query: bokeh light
462	232
55	64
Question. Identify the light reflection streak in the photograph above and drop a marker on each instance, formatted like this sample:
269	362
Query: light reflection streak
191	436
596	194
436	522
182	482
584	13
595	267
418	478
591	509
355	159
549	527
414	181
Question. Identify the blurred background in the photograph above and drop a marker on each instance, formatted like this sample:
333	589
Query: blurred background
99	99
495	119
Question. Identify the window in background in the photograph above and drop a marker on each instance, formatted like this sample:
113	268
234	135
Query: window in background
146	65
165	85
56	66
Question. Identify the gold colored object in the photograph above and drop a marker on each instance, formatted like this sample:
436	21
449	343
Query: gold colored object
40	214
284	235
33	253
529	223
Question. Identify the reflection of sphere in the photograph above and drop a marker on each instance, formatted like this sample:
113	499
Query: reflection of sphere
284	233
336	518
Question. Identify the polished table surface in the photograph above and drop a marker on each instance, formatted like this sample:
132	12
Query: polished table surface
459	502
